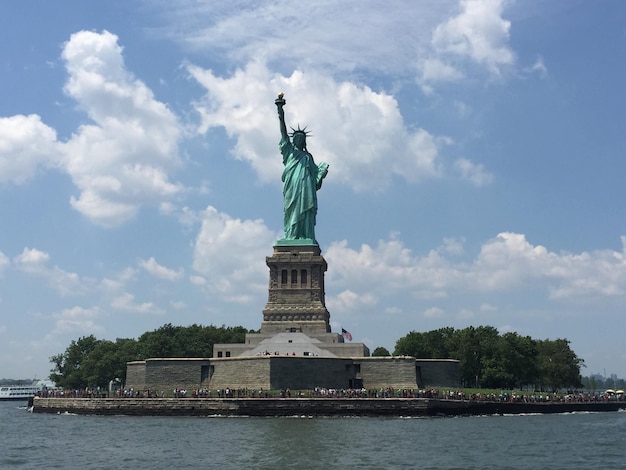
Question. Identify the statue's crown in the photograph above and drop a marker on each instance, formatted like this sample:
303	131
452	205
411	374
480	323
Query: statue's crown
300	131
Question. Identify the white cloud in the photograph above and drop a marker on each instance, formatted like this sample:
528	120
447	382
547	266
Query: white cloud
117	284
434	312
488	308
435	70
539	68
474	173
462	109
390	269
161	272
476	35
452	246
349	300
510	261
26	144
34	262
122	161
325	35
197	280
185	216
31	259
178	304
477	32
77	319
126	302
365	139
505	264
465	314
4	262
439	40
393	310
229	255
116	293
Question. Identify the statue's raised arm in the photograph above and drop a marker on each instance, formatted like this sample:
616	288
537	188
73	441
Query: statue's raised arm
301	180
280	102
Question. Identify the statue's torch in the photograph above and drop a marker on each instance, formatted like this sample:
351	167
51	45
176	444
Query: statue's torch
280	101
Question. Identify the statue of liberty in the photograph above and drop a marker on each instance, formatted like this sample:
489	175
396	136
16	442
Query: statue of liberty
301	180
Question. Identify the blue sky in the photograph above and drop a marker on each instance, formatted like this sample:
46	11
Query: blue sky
476	153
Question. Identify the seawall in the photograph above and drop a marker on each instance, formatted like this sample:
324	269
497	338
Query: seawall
306	406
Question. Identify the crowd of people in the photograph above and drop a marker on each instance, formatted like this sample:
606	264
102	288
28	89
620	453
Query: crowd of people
73	393
325	392
541	397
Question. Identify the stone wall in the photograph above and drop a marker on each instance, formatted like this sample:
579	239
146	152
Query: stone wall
347	349
295	372
169	373
136	375
391	371
241	372
279	372
309	372
438	372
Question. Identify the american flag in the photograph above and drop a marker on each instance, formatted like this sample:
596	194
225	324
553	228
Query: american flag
346	334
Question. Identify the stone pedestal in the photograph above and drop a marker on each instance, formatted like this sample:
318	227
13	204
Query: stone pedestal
296	300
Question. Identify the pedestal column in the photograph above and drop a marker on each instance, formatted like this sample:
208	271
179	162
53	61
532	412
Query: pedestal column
296	299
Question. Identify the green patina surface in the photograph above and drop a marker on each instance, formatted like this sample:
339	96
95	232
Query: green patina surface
296	242
302	178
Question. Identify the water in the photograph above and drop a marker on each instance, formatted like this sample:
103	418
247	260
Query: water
566	441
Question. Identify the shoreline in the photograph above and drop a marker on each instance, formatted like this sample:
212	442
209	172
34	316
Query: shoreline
314	407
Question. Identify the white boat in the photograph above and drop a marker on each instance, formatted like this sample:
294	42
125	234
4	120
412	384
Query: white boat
19	392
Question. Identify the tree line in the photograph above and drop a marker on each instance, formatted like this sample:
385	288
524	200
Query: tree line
487	358
492	360
92	362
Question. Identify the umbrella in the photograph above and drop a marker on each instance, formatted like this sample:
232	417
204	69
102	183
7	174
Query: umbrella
610	391
621	392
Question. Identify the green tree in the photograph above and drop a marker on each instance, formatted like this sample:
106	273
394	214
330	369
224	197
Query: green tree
412	344
435	344
469	352
189	341
558	366
508	361
90	362
99	365
487	358
68	371
519	354
158	343
381	351
108	362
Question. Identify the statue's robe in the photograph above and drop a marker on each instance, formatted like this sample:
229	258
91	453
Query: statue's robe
302	178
